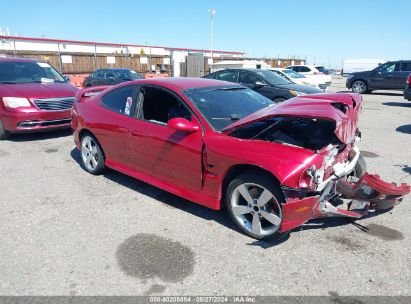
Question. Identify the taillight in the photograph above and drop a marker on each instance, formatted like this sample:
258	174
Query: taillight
409	79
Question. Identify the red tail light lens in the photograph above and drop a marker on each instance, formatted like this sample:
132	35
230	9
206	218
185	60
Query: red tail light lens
409	79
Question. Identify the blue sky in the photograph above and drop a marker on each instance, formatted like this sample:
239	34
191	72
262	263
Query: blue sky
327	31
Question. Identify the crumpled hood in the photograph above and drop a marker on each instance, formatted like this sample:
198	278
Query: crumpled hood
38	90
322	106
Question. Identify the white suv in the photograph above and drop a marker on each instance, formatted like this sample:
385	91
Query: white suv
310	70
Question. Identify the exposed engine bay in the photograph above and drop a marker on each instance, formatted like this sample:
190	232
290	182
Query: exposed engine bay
309	133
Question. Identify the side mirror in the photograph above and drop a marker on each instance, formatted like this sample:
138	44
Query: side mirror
67	78
182	125
260	84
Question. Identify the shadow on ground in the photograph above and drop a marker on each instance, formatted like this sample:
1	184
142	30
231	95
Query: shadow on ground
397	104
220	217
24	137
404	129
387	94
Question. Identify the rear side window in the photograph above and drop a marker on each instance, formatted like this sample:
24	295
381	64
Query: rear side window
304	69
227	76
406	67
121	100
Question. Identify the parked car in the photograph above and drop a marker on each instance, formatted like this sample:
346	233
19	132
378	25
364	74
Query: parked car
407	91
33	97
323	70
310	70
273	167
110	77
388	76
267	83
299	78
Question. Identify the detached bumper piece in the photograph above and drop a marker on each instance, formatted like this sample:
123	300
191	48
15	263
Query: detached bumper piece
372	189
368	193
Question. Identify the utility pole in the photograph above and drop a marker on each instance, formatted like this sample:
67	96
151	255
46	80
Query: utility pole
212	13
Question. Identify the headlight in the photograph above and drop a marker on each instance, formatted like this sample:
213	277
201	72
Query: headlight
297	93
16	102
350	76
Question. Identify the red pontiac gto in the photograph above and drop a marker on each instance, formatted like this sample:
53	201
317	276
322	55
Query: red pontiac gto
274	167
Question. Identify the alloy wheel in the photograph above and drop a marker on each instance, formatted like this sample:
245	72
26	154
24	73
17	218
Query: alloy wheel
89	153
256	209
359	87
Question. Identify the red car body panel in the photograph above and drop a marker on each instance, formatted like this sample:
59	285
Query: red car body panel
195	165
43	120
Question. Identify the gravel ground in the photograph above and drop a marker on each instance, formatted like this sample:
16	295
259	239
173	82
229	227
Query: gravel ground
66	232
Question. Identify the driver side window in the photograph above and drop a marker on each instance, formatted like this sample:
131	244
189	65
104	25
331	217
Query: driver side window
159	106
389	68
248	78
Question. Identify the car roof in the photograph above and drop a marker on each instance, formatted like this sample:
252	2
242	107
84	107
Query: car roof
184	83
15	59
243	69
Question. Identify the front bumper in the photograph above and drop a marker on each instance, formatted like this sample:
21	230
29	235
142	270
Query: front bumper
30	119
369	193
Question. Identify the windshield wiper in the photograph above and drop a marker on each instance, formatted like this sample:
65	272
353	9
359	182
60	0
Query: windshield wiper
229	89
8	82
233	117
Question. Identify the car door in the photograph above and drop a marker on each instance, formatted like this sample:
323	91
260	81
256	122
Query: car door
385	77
114	128
405	71
160	151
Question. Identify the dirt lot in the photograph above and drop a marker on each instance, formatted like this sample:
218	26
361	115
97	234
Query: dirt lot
66	232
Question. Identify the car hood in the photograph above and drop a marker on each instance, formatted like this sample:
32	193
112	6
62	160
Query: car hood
300	88
363	73
343	108
38	90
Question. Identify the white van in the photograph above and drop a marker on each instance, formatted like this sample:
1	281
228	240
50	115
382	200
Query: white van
239	64
360	65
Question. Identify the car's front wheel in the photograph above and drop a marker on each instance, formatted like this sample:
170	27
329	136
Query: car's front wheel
92	156
3	133
359	86
254	203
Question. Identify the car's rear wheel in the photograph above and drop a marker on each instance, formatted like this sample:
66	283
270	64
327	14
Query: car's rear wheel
254	203
359	86
92	156
3	133
278	100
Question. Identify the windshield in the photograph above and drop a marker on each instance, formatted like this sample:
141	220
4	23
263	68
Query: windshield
221	106
272	78
26	72
292	74
127	74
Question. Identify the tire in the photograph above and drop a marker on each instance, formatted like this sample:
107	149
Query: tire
359	86
360	168
3	133
254	203
92	156
278	100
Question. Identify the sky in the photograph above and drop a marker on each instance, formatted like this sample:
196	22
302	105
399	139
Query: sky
324	32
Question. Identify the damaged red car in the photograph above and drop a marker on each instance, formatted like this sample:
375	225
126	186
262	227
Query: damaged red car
273	167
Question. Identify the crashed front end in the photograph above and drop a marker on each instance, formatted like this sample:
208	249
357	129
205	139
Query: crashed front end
332	180
339	188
